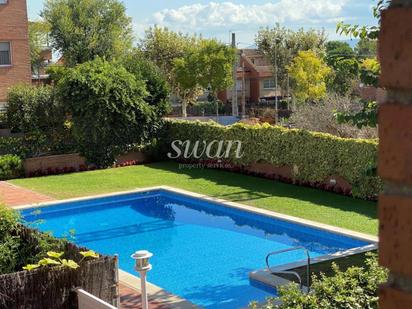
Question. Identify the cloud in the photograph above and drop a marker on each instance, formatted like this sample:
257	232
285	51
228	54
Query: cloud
226	14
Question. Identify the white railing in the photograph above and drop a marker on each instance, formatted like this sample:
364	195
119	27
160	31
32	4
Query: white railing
89	301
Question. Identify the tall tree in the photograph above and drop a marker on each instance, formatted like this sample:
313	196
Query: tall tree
282	45
216	65
206	66
83	30
156	84
337	50
167	49
308	73
187	72
341	58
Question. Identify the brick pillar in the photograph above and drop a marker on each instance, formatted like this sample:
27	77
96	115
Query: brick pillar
395	154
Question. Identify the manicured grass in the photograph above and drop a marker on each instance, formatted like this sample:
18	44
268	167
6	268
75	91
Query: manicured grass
292	200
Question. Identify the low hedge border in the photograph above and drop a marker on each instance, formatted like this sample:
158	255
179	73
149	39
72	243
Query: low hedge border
313	156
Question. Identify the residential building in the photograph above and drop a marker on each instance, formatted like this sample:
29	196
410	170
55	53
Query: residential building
255	71
39	73
14	46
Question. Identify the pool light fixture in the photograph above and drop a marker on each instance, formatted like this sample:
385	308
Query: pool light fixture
142	265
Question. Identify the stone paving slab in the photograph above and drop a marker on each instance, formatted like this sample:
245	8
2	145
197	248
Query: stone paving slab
130	299
12	195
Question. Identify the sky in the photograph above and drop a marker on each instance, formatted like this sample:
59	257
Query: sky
217	19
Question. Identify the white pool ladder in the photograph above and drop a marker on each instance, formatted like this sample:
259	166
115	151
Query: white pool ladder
294	273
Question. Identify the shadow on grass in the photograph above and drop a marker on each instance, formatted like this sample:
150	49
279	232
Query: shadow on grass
251	188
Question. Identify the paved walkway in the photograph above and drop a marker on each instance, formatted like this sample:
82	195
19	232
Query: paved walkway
12	195
130	299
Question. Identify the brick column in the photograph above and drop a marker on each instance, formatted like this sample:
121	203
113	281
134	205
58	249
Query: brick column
395	154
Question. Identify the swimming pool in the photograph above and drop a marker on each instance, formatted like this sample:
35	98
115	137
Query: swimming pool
203	251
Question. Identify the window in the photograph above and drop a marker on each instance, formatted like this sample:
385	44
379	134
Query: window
269	84
3	1
5	56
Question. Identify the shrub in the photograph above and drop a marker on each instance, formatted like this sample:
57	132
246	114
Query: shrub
370	71
357	287
156	84
108	109
38	144
10	167
321	117
313	156
18	249
33	109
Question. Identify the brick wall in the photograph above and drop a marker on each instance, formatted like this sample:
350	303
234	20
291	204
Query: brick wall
14	28
395	154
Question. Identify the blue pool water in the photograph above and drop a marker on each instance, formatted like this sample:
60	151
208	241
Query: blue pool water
203	251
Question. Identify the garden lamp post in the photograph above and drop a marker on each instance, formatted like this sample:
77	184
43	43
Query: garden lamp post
143	266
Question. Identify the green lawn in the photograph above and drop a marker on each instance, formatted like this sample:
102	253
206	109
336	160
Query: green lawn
292	200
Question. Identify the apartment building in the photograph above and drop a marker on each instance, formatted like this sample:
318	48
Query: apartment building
14	46
255	72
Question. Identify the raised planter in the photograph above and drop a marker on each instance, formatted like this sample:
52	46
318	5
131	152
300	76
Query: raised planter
137	156
53	287
72	162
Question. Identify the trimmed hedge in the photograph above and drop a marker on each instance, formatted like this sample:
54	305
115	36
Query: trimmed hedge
313	156
36	145
10	167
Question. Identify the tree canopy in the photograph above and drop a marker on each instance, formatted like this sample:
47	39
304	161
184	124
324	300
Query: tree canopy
108	110
309	74
282	45
83	30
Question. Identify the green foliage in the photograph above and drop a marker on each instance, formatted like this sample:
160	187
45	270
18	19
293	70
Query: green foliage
38	39
364	32
34	109
156	83
341	58
108	109
282	45
84	30
309	74
216	65
38	144
207	108
56	72
366	48
344	76
56	259
163	46
314	156
366	117
337	50
11	166
17	250
370	71
357	287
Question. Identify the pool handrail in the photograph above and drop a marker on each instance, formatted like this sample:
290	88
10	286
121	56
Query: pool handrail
291	272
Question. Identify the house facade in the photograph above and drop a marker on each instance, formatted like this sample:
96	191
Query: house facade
255	72
15	65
